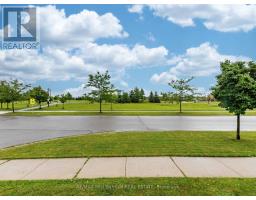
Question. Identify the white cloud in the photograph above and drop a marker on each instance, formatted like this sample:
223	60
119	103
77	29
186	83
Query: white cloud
58	29
137	8
60	64
224	18
52	64
121	56
77	91
69	49
202	91
198	61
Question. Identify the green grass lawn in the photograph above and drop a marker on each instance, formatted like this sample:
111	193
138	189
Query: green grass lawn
187	106
172	143
124	113
132	186
75	107
17	105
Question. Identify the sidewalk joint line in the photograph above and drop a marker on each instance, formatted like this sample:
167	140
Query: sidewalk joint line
87	159
125	167
228	167
143	123
177	166
34	168
5	162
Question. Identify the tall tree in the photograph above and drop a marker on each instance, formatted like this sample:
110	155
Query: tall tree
110	96
3	92
39	94
69	96
63	98
15	90
101	86
142	95
156	98
151	97
182	88
126	98
236	88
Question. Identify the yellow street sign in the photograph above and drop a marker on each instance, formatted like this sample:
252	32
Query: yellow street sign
32	101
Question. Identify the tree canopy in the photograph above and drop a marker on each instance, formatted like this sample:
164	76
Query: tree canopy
236	88
101	86
182	89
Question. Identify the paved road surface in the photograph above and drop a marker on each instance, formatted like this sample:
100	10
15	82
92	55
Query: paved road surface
19	130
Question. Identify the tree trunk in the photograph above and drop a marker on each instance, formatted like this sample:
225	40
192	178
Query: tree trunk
238	127
12	106
100	104
180	107
7	105
63	106
1	105
40	107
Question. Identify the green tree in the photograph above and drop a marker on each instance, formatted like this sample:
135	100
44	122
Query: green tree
69	96
3	92
151	97
236	88
125	98
63	98
39	94
14	91
110	96
182	88
142	95
101	86
156	98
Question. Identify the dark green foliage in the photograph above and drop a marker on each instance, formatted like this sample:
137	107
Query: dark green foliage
236	88
136	95
39	94
151	97
154	98
11	91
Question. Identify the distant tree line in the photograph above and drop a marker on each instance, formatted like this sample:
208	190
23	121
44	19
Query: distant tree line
135	95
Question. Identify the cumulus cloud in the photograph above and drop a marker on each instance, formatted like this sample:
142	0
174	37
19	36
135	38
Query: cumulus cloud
70	50
197	61
60	64
74	30
137	8
121	56
52	64
224	18
77	91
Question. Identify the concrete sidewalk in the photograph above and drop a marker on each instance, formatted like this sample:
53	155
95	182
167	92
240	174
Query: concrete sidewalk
70	168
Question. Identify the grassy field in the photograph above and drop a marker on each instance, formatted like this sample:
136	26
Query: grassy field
123	113
18	105
176	143
189	106
75	107
132	186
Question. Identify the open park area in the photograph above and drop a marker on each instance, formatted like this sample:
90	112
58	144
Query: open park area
114	99
118	143
112	143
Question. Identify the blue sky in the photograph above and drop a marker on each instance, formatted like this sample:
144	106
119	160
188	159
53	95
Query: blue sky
144	46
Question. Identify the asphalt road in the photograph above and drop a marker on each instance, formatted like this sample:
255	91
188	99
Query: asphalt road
16	130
